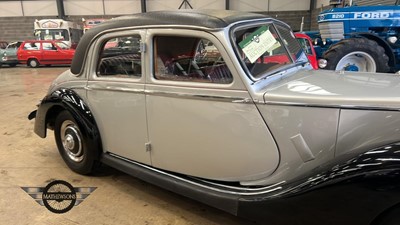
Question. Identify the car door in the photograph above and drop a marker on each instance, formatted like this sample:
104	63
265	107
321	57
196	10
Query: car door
201	120
115	91
50	54
30	50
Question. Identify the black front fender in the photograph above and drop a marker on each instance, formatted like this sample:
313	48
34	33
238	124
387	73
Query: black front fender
65	99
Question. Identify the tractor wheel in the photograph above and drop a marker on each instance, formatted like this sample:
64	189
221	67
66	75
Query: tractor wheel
357	54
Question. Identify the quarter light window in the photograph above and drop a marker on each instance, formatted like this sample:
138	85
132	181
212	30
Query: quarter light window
292	44
189	59
121	58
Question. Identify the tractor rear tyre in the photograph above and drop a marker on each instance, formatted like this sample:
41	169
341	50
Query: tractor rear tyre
357	54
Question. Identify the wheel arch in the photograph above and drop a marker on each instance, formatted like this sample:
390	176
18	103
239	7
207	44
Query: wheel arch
382	217
381	42
31	58
66	99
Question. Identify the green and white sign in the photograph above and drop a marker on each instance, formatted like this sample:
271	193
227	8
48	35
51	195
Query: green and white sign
257	43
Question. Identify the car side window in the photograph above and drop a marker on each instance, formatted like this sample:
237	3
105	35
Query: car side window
49	46
120	58
32	46
305	45
190	59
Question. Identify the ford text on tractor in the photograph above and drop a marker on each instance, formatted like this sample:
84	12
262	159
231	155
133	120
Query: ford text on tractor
360	38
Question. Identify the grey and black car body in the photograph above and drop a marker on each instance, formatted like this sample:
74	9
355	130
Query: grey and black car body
224	107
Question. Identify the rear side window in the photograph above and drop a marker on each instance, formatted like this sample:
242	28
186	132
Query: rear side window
32	46
190	59
121	58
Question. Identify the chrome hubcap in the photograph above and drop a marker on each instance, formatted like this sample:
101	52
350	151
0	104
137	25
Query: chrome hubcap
71	141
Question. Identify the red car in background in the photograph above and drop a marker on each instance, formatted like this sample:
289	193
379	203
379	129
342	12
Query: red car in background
35	53
306	43
279	57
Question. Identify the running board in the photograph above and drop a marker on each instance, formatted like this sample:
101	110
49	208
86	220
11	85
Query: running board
223	201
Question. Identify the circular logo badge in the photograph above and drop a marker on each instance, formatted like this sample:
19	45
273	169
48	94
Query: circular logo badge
59	196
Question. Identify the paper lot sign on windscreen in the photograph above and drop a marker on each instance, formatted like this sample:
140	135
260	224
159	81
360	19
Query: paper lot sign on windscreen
257	43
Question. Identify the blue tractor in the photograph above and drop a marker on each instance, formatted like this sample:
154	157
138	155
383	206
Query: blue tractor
359	38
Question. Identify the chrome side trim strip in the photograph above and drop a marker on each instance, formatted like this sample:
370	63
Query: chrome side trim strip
118	89
200	97
355	107
218	187
175	94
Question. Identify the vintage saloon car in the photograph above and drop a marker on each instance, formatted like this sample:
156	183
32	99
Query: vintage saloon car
199	109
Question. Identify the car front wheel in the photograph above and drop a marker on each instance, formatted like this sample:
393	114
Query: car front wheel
72	145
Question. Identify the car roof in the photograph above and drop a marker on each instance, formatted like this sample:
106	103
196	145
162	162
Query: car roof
205	19
42	41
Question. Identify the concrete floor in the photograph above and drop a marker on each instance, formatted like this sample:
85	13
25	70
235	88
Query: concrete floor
27	160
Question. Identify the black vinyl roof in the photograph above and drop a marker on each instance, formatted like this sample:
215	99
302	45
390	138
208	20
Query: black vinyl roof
208	19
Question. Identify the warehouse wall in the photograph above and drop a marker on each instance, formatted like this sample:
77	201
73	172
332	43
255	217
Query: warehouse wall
17	17
374	2
123	7
359	2
21	28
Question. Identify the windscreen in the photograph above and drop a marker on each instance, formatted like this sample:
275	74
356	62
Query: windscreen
264	48
52	34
